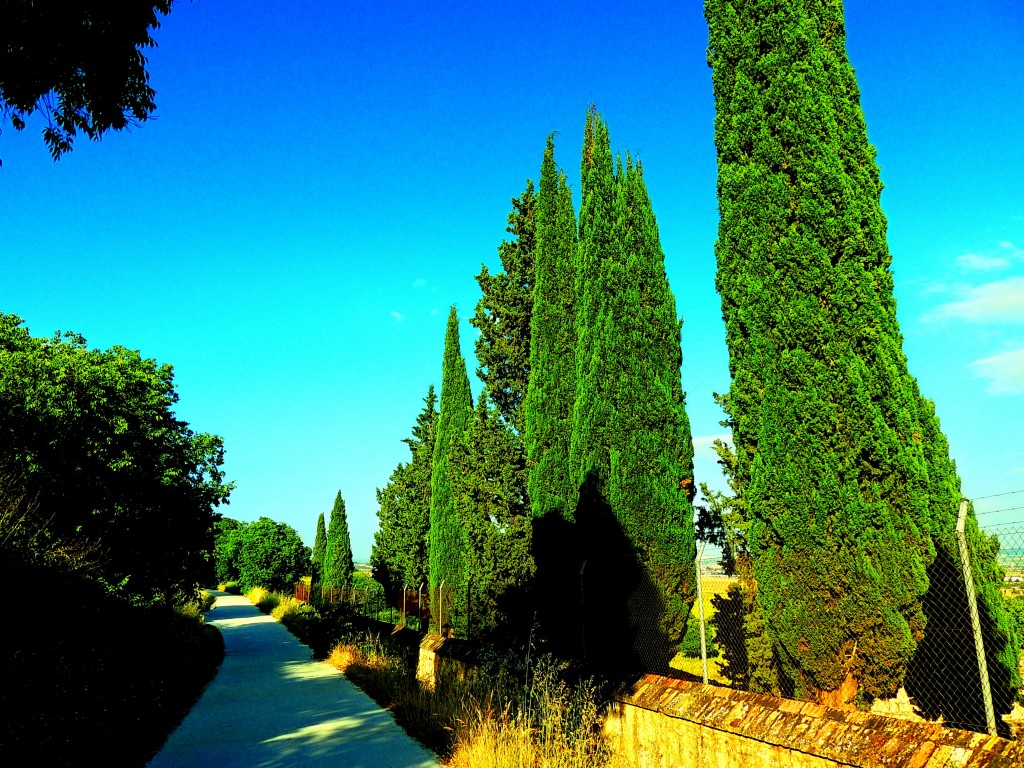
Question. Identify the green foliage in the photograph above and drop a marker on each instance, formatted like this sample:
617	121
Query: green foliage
492	508
587	458
399	556
504	312
647	432
690	645
338	565
92	435
447	535
844	477
86	59
227	543
319	550
74	678
552	390
271	555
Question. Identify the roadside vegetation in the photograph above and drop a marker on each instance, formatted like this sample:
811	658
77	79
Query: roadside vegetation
91	677
508	713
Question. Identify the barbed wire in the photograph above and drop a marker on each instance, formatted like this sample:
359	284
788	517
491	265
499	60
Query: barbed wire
996	495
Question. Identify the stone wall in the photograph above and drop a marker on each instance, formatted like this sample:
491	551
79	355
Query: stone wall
665	723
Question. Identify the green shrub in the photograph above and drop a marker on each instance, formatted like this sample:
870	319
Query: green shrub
690	646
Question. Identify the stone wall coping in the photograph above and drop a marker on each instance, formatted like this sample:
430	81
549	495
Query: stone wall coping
848	737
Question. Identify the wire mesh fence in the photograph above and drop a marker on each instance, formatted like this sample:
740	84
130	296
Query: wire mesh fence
966	669
409	607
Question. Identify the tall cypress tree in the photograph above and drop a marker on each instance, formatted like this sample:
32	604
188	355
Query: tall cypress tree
447	535
319	549
844	475
650	448
596	245
552	391
338	565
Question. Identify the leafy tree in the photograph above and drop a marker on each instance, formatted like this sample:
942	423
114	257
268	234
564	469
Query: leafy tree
492	509
319	550
271	555
503	314
845	478
227	542
399	557
447	535
92	436
552	391
81	66
338	565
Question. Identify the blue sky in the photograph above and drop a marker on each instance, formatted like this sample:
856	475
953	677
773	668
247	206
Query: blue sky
323	180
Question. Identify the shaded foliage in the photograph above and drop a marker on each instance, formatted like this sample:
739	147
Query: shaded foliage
80	65
93	438
399	556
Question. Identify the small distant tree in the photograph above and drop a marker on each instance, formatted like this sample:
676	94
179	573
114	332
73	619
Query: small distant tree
338	565
319	549
271	555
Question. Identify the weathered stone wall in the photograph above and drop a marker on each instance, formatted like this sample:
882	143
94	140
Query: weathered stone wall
443	658
665	723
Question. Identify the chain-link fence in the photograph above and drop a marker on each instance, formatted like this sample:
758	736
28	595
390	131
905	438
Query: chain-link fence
966	669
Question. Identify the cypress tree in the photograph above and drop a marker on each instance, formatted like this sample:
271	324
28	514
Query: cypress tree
504	312
447	535
338	565
845	479
552	391
650	448
552	486
496	521
399	556
319	549
596	245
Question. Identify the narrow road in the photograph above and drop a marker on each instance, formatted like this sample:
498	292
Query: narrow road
272	706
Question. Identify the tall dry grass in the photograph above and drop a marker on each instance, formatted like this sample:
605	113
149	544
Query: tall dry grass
485	722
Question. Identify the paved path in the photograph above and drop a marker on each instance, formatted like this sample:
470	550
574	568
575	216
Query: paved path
271	706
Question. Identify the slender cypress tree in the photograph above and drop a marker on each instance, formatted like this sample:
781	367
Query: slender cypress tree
596	245
552	487
338	565
650	448
319	549
447	535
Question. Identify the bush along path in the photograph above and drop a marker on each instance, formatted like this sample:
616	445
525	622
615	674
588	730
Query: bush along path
271	704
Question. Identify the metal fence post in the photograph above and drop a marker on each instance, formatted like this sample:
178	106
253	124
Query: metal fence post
972	603
700	616
419	609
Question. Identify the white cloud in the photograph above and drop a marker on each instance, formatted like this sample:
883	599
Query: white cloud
419	283
703	445
399	317
997	302
975	262
1004	371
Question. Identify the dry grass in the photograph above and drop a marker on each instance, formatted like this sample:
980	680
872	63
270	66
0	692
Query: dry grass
264	599
479	723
